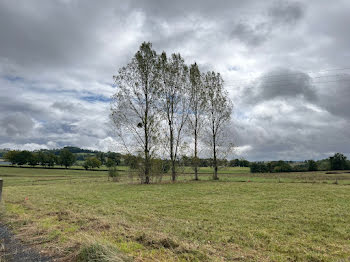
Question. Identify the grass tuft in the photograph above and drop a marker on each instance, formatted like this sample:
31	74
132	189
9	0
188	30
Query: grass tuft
100	253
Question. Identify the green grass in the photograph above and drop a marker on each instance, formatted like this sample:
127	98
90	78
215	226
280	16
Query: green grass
245	217
37	176
202	170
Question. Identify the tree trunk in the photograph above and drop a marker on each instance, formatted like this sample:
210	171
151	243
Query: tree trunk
173	171
147	167
147	160
215	164
195	155
172	156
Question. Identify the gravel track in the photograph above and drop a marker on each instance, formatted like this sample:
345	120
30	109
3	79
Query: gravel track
12	250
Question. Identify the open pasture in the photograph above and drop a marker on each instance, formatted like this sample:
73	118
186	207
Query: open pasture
77	215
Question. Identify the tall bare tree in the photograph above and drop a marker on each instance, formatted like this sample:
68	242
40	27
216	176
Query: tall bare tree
197	111
134	109
219	108
174	103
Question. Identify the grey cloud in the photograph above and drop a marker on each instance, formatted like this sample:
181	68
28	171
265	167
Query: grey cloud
286	12
249	35
41	37
298	133
181	8
287	83
281	83
58	128
281	13
335	96
16	124
58	35
11	104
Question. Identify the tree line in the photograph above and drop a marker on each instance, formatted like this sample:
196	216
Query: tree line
64	157
46	159
336	162
164	107
95	159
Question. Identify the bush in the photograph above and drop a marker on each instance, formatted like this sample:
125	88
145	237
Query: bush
338	162
165	166
110	162
324	165
132	161
113	174
259	167
300	168
239	162
85	165
279	166
159	167
92	162
312	165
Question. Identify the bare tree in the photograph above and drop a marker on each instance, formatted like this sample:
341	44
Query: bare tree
134	109
197	111
174	103
219	108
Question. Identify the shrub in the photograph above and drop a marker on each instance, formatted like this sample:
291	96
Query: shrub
132	161
85	165
312	165
92	162
324	165
259	167
281	166
114	174
338	162
300	168
110	162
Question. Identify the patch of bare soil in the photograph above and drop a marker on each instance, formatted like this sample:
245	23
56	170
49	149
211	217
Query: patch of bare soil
11	249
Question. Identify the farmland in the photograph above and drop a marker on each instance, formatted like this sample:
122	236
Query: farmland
74	214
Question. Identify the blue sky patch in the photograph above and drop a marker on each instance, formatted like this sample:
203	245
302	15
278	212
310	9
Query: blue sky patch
96	98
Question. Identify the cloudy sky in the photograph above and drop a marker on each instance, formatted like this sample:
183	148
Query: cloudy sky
286	65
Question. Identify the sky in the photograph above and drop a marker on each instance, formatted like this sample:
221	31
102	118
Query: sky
286	65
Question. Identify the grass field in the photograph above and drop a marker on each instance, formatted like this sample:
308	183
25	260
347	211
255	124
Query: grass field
203	170
75	214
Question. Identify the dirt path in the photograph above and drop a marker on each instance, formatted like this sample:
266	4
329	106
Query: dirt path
12	250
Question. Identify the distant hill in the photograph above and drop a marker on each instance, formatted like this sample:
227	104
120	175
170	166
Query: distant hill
56	151
74	150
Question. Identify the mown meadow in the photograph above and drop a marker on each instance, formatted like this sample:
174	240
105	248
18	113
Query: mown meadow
78	215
